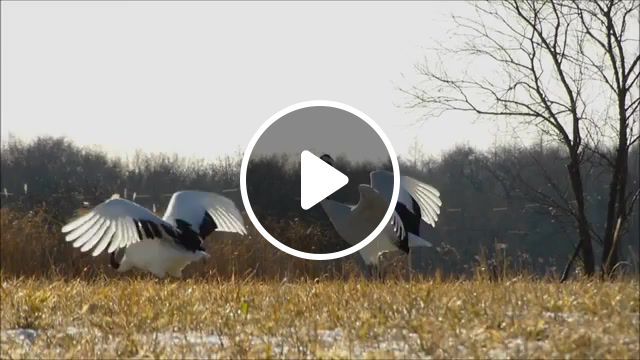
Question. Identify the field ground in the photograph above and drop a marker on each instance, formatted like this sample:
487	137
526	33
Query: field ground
143	317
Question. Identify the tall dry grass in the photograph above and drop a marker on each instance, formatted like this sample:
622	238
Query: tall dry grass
32	245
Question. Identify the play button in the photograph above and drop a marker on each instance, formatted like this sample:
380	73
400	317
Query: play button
294	198
317	180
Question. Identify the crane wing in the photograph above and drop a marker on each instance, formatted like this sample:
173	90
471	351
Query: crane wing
418	197
115	223
205	212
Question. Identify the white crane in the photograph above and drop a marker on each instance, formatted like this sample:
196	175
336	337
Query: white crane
136	237
417	202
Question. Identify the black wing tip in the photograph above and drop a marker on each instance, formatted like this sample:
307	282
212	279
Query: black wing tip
148	229
138	226
187	237
113	261
207	226
328	159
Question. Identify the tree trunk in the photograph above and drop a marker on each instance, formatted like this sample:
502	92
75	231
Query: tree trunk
616	188
617	206
575	178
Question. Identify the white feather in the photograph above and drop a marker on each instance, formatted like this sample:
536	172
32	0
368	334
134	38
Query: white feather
427	197
99	225
191	206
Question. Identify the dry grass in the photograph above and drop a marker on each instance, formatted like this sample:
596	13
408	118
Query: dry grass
251	300
32	245
334	319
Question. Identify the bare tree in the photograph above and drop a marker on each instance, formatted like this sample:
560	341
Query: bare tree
568	69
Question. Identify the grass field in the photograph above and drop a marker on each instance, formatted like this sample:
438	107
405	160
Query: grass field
144	317
57	302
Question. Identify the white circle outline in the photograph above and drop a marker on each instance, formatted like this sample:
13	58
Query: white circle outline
302	254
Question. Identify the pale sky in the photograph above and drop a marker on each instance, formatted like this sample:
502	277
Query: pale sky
199	78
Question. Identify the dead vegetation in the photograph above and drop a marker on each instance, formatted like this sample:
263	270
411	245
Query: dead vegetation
109	318
251	300
31	245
